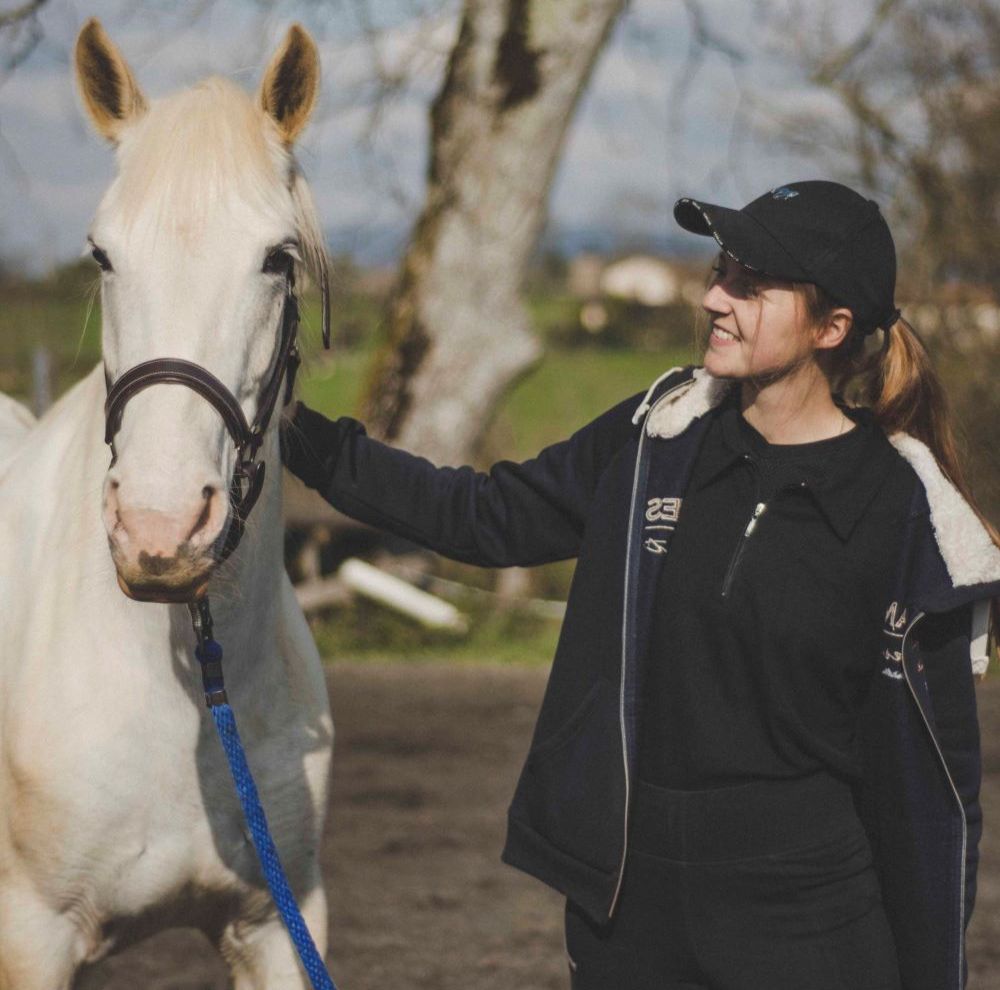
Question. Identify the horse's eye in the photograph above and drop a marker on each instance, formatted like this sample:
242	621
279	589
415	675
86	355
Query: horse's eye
103	261
278	262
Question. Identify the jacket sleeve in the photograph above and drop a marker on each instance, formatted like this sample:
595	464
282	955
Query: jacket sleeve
514	514
945	651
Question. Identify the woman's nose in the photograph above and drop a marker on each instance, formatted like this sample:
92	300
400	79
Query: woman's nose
716	299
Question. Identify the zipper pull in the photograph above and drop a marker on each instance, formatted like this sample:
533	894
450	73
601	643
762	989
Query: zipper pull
757	513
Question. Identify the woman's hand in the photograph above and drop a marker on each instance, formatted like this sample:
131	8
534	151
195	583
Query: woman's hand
309	444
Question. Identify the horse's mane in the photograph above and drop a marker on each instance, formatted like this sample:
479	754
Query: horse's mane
208	147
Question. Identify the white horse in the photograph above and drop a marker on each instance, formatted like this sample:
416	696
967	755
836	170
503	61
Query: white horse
117	814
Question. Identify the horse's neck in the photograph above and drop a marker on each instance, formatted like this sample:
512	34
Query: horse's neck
53	500
245	592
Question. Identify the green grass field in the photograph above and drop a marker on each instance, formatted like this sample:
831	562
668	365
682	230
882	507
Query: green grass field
567	388
563	392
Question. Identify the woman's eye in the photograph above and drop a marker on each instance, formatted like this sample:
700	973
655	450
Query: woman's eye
103	261
278	262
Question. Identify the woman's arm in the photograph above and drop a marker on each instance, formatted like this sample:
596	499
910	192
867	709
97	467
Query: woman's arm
515	514
945	653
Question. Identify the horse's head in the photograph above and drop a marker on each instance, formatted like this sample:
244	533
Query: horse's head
198	239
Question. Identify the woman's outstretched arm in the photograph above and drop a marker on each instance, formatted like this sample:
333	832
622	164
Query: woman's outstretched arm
514	514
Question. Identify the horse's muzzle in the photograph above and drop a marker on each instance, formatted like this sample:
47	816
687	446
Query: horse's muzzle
159	593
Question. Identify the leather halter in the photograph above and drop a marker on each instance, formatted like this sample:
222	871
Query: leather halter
248	475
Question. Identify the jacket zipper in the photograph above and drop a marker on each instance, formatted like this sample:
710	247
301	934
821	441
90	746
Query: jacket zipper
758	511
954	791
625	610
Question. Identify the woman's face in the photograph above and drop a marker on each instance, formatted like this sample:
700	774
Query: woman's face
759	324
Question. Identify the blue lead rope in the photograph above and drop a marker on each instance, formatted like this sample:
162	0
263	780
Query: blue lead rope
209	654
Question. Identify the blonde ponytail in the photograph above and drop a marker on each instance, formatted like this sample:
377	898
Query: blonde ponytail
905	394
909	397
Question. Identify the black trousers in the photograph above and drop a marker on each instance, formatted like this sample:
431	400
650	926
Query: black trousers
766	886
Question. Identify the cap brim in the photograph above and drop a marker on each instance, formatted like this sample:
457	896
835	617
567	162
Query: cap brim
741	237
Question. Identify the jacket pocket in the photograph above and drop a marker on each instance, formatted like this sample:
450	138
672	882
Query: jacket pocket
572	790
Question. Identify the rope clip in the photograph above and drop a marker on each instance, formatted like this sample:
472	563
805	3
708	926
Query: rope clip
208	652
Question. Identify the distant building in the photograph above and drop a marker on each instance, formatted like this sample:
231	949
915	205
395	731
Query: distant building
593	316
642	279
583	277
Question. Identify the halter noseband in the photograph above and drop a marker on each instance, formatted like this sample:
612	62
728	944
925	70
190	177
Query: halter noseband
248	475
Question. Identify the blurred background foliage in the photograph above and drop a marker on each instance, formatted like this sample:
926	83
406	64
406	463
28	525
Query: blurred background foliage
581	374
905	103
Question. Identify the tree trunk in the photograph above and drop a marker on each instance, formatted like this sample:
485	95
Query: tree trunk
457	331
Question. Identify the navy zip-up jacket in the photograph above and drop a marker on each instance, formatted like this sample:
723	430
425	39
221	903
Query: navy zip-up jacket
585	497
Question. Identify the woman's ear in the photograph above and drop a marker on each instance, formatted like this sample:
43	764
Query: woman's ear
291	82
110	93
837	326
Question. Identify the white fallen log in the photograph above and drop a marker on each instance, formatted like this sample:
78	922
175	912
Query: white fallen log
363	579
322	593
400	595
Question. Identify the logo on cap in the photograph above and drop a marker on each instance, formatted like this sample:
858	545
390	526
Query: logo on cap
784	193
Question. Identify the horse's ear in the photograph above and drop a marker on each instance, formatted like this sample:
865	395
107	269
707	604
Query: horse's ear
109	90
291	82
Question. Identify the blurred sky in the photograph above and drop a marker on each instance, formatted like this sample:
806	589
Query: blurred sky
655	123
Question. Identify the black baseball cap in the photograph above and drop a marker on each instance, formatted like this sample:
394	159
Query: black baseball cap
814	231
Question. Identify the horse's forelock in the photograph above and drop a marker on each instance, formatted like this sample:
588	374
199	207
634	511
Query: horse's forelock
198	151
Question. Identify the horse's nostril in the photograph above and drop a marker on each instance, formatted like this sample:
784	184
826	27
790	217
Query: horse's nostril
202	519
208	519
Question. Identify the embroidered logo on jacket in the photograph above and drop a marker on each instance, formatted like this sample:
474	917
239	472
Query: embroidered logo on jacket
893	629
661	514
663	509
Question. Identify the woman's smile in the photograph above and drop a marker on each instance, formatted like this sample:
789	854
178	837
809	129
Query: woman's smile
721	338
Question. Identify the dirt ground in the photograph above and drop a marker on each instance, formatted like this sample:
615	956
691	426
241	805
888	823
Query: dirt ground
426	760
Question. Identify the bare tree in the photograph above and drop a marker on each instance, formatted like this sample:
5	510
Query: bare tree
457	333
918	87
20	32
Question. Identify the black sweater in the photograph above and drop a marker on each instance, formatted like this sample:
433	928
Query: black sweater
763	644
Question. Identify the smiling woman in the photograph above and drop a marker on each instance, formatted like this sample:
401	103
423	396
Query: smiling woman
757	760
757	325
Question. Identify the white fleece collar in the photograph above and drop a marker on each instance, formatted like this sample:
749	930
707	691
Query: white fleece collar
968	552
691	400
966	548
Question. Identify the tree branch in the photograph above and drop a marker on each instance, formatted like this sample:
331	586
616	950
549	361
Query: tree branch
10	18
830	69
